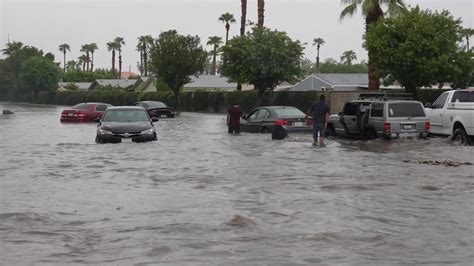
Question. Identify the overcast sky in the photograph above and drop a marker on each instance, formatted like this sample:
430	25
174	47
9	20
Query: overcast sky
48	23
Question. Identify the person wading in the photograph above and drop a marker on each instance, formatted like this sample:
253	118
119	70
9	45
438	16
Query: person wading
320	113
233	118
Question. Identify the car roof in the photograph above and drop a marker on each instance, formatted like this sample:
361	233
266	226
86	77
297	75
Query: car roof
149	102
384	101
125	108
277	107
94	103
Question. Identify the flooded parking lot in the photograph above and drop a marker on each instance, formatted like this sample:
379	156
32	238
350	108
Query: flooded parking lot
65	199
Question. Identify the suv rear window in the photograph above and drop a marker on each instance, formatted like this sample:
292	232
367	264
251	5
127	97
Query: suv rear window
81	106
406	110
463	97
377	110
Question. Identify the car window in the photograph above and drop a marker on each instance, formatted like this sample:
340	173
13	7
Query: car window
101	107
144	105
439	103
377	110
254	115
81	106
463	97
125	116
263	114
414	109
350	109
156	105
288	112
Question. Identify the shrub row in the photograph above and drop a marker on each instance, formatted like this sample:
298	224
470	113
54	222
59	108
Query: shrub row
198	101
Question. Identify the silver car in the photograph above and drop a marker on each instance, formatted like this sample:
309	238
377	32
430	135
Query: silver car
372	118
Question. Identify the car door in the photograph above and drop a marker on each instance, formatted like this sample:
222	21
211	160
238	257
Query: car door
250	123
99	110
435	114
349	118
262	120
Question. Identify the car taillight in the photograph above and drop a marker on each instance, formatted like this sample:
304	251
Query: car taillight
386	127
281	122
428	126
309	122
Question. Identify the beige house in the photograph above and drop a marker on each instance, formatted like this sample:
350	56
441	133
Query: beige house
145	84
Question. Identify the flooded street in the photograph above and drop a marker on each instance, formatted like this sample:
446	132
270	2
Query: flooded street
66	199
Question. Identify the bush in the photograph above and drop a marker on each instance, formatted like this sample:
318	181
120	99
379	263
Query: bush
428	95
200	101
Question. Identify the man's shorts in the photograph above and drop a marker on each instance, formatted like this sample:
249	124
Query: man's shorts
318	128
234	128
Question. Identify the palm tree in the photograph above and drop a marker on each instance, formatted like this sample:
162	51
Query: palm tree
467	33
12	47
372	11
243	18
64	48
92	48
227	18
347	57
82	60
318	42
71	65
143	46
119	42
261	12
215	41
86	49
112	46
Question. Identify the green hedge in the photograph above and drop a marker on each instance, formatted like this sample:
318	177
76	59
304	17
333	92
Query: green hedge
197	101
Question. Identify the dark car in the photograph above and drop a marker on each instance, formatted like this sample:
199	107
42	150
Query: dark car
84	112
157	109
264	119
125	122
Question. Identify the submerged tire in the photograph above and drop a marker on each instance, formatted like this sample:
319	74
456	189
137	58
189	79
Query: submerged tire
99	140
460	137
279	133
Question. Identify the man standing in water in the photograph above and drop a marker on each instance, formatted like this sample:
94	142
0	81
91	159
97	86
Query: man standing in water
233	118
320	113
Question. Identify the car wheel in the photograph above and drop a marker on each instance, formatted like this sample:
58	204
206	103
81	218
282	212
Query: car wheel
99	140
155	137
460	137
370	134
265	130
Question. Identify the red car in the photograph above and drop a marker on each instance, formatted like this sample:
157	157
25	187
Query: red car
84	112
157	109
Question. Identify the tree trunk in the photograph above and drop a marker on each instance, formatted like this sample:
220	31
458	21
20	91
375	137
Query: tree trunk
113	62
467	42
141	63
120	65
261	12
243	18
145	59
227	27
213	66
317	60
64	66
84	66
87	60
260	93
92	62
177	99
374	76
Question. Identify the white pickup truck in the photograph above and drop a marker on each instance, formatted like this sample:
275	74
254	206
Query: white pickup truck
452	114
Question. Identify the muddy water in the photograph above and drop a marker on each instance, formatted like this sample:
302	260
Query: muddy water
65	199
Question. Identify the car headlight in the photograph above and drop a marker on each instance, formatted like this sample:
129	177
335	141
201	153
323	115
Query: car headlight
148	131
103	132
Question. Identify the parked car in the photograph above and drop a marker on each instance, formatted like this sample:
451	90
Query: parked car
84	112
157	109
452	114
264	119
380	117
125	122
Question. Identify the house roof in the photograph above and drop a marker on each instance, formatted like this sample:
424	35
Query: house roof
79	85
342	79
210	82
120	83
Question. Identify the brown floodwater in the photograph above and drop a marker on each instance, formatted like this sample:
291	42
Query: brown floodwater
201	196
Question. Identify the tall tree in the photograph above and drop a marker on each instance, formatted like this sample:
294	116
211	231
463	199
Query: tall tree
83	59
243	17
71	65
318	42
347	57
64	48
39	74
112	46
119	42
12	48
215	41
227	18
175	58
92	48
261	12
143	46
86	50
467	33
372	11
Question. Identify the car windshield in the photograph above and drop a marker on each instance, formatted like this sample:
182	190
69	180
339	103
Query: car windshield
155	105
81	106
288	112
125	116
406	110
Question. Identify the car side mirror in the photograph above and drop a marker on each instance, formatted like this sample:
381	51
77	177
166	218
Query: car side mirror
154	119
97	119
429	105
244	117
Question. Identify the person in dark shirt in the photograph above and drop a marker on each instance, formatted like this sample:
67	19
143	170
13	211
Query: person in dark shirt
233	118
320	113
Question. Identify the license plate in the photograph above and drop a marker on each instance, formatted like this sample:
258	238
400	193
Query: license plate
407	127
70	114
162	115
298	124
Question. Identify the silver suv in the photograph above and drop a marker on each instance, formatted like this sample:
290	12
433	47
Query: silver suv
380	117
